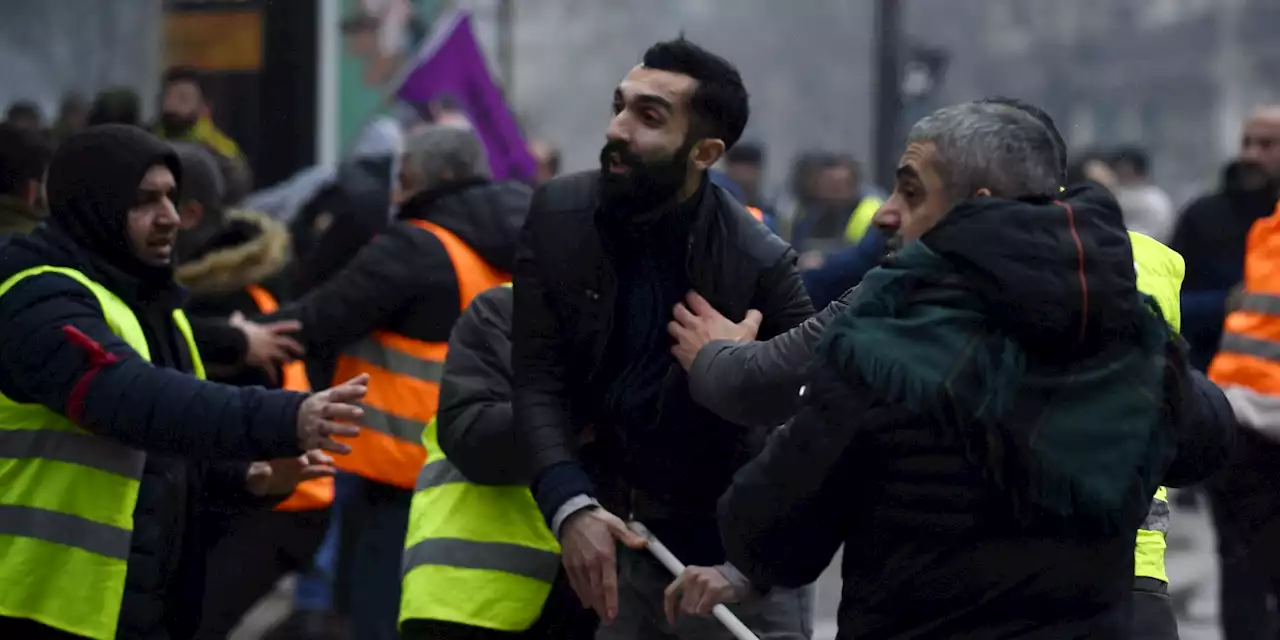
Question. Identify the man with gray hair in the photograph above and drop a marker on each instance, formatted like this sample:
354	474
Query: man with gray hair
390	311
920	409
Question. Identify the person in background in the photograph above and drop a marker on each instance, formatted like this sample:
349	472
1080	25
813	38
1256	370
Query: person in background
390	311
476	480
604	257
548	159
1147	208
25	115
1211	232
1212	236
844	268
73	114
100	365
839	214
186	114
744	164
120	105
24	158
232	262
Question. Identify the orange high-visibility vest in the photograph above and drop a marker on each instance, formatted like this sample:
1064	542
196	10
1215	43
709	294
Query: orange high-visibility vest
316	493
756	213
404	384
1249	355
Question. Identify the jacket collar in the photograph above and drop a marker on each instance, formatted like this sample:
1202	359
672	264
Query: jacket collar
251	247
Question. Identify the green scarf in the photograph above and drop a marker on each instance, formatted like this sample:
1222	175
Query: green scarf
1086	442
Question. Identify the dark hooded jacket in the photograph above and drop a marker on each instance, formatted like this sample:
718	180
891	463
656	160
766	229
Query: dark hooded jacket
939	540
250	249
404	281
56	349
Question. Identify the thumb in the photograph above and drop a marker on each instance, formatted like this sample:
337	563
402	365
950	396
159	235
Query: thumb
753	319
628	537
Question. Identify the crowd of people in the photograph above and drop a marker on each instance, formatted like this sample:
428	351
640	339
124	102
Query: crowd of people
447	404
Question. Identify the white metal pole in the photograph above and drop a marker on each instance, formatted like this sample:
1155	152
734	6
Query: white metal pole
673	564
327	67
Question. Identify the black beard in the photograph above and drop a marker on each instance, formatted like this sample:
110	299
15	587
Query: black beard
176	124
647	186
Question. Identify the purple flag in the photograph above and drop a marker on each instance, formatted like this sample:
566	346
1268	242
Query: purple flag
453	69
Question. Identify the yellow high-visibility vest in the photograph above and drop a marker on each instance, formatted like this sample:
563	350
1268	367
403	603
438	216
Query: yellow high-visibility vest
67	498
860	219
476	555
1160	272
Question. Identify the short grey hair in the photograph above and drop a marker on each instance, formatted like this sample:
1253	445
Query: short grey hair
438	150
986	145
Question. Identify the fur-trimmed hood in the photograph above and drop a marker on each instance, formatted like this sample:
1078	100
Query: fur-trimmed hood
250	248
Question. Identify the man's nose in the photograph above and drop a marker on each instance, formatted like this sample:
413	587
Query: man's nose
887	218
168	215
617	130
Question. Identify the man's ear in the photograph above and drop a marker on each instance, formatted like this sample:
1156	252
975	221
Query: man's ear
706	153
982	193
190	215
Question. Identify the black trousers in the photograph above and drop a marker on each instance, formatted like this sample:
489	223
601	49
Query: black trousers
1246	514
563	618
257	549
28	630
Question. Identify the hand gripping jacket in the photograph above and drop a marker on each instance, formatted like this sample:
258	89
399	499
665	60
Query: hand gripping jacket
404	380
316	493
475	555
1249	355
1160	271
67	498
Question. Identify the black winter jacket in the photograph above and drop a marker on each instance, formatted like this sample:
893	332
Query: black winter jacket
404	281
565	292
931	547
475	425
99	382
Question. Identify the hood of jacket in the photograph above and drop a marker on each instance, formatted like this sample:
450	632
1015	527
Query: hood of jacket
1058	274
485	215
251	247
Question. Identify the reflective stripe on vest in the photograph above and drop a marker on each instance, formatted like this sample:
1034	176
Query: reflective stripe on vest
474	554
1160	271
404	380
67	498
316	493
1249	355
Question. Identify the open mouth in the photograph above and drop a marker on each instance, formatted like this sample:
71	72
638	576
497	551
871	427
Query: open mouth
616	166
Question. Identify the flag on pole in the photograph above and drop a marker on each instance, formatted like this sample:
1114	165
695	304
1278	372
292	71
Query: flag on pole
451	68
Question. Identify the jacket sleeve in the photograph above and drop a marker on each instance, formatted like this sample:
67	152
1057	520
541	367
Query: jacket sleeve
219	342
781	298
1206	435
787	511
385	275
57	350
542	418
756	383
475	425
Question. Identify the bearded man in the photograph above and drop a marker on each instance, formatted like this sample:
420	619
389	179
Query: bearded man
602	407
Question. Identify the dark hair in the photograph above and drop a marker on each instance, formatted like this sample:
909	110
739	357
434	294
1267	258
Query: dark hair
1133	156
746	153
175	75
23	109
720	102
24	157
115	106
1045	119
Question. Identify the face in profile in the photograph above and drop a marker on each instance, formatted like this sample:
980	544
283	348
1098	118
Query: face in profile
919	198
153	222
646	156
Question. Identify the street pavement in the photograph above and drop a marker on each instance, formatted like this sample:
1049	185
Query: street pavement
1192	566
